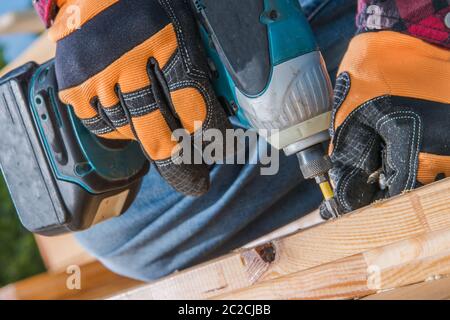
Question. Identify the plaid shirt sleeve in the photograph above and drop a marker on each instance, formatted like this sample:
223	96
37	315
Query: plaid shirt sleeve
425	19
46	9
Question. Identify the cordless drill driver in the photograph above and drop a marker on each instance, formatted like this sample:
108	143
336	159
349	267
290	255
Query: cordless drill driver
266	66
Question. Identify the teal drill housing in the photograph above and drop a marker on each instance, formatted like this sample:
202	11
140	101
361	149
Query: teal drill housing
268	71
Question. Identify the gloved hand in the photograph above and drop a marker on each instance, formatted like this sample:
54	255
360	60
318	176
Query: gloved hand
134	69
391	118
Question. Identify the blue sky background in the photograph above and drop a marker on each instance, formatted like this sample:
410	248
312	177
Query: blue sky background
14	44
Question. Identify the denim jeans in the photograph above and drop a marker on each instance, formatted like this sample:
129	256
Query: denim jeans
165	231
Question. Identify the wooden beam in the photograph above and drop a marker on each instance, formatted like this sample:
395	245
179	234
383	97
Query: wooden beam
311	220
438	289
403	263
422	211
59	252
20	22
97	282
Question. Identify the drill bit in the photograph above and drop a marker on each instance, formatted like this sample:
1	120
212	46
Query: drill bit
315	164
328	195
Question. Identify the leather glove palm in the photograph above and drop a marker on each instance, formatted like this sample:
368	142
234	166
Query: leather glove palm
391	123
135	70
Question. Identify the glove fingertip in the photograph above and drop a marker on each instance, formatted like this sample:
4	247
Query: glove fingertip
190	180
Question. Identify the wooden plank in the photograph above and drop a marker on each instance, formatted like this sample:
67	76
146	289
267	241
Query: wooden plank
430	290
402	263
62	251
424	210
97	282
20	22
311	220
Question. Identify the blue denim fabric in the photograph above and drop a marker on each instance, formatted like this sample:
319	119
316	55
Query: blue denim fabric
165	231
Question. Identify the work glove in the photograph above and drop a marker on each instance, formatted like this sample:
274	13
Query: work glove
391	118
135	70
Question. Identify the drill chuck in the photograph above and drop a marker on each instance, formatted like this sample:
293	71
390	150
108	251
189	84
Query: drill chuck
314	162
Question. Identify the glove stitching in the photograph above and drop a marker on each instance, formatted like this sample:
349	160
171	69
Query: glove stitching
412	164
203	90
343	95
392	164
95	121
113	110
168	68
91	121
145	92
171	161
141	111
346	181
180	33
415	117
353	113
136	95
378	126
102	131
120	122
389	155
407	186
416	138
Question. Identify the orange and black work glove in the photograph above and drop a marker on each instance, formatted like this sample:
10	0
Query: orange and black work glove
134	69
391	123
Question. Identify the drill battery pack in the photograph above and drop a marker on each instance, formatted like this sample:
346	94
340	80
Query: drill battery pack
61	177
